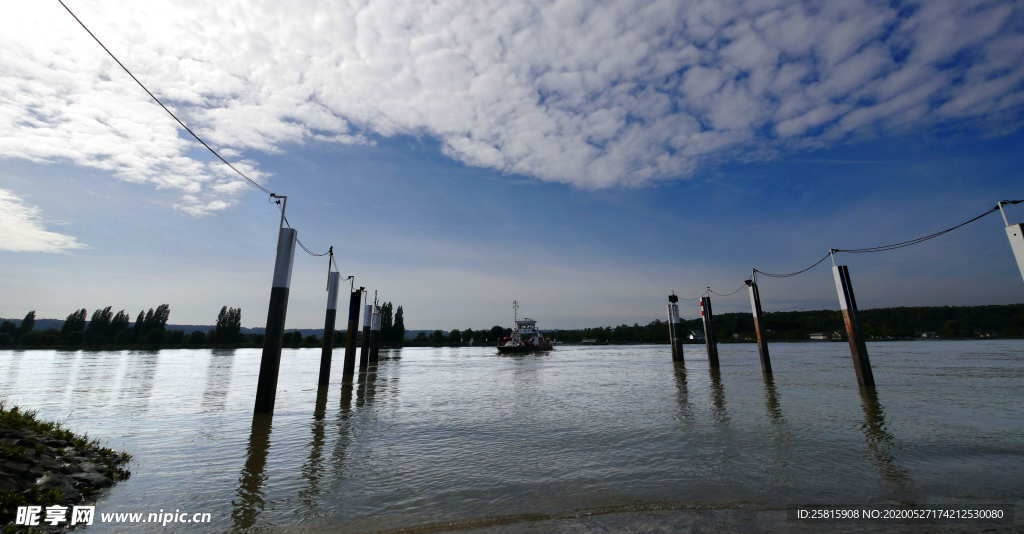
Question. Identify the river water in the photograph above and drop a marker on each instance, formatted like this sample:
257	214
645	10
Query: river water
581	439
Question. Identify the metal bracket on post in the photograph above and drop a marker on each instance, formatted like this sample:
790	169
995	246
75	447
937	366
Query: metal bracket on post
1015	233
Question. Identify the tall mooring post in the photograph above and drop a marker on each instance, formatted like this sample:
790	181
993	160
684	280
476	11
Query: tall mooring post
364	349
1015	233
270	362
355	301
675	330
848	305
762	342
375	336
709	331
326	353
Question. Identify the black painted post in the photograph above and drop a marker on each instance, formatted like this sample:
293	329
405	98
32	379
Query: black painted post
355	300
848	305
375	336
326	354
364	349
270	362
709	331
675	331
762	341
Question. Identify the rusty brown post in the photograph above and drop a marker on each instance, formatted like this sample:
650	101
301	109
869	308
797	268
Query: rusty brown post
848	306
709	331
762	342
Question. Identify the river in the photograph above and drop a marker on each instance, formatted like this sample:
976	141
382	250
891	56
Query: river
581	439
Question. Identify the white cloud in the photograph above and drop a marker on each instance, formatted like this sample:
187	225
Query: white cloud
593	95
23	229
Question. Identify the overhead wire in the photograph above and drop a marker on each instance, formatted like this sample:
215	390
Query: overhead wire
158	101
196	136
918	240
795	273
729	294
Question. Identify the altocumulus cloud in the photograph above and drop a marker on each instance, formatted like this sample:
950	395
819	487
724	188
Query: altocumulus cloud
24	231
592	94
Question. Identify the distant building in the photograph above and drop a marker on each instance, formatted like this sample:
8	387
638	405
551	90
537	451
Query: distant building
819	336
929	335
696	335
588	341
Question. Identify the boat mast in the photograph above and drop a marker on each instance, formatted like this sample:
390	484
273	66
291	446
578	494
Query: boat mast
515	310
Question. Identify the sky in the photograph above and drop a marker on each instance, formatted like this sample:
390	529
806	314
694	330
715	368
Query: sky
583	158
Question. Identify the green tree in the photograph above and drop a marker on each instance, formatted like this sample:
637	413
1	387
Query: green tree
27	324
455	337
73	328
99	326
399	326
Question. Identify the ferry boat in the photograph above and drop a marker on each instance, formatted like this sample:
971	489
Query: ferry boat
525	337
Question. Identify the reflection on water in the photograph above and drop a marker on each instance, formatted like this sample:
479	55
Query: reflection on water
249	500
137	384
313	468
771	398
474	438
719	411
218	379
881	442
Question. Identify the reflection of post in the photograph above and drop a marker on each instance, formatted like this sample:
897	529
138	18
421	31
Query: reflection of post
327	352
682	391
675	331
719	412
270	363
250	500
879	440
762	342
313	467
772	399
848	305
709	331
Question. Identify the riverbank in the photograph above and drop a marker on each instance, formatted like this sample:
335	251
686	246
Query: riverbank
43	464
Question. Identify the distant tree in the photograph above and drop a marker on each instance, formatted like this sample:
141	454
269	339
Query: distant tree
73	328
292	339
437	338
494	334
118	325
455	337
7	333
399	326
421	339
140	322
197	338
229	325
467	337
99	326
27	324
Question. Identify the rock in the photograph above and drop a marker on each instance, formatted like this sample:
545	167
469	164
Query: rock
15	466
92	479
88	466
54	481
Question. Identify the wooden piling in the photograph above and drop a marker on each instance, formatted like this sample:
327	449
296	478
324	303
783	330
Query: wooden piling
327	352
270	362
364	349
355	301
375	336
848	306
709	331
762	341
675	331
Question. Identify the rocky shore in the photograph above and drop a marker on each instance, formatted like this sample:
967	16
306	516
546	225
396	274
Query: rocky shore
43	464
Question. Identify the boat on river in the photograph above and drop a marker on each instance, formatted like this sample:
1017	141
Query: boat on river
524	338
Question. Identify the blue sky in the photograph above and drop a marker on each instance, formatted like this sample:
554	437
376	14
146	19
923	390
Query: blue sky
582	159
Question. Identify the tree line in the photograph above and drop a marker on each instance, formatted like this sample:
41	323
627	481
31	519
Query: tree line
106	329
946	322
